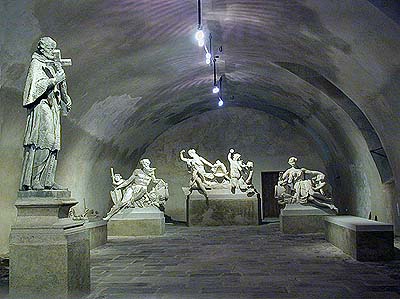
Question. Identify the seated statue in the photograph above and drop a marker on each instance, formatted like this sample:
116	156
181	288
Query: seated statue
302	186
135	191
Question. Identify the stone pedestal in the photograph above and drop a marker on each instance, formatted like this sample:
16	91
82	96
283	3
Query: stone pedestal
301	219
97	232
137	222
49	253
363	239
224	208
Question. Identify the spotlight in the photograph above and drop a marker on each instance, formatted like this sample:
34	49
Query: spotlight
220	102
215	89
199	35
208	56
200	42
208	61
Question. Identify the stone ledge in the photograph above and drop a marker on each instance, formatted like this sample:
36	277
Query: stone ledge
359	224
360	238
44	194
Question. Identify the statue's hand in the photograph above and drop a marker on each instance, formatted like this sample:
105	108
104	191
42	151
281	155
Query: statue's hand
60	76
182	151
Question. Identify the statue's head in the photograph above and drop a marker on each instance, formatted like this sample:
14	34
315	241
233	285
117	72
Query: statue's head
250	164
145	163
236	156
192	152
117	177
292	161
46	46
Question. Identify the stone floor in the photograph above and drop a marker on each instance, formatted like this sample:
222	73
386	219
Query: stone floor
233	262
236	262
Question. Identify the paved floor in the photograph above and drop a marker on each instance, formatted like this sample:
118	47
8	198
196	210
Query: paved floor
236	262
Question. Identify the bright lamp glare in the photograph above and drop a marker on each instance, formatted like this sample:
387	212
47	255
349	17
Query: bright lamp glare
208	56
199	35
208	61
215	89
201	42
220	102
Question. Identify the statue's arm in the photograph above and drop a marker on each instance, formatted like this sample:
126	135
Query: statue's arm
231	151
206	162
127	182
182	157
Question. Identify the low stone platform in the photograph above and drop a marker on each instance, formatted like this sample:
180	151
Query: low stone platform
363	239
301	219
137	222
97	232
49	252
224	208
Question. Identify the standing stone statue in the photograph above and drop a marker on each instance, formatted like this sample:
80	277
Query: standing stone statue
45	98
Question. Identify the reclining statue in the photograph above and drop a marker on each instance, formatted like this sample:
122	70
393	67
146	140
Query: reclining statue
135	193
303	186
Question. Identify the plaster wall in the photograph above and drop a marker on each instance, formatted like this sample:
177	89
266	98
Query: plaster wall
260	137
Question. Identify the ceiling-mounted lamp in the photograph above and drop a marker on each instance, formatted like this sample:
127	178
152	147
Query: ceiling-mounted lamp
199	34
220	102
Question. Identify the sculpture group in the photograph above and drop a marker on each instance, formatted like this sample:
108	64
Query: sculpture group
239	177
303	186
142	189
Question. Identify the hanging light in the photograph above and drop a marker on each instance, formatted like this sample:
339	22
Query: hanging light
199	35
215	89
200	42
220	102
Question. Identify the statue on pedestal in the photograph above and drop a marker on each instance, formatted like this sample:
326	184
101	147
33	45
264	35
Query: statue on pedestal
135	192
303	186
45	98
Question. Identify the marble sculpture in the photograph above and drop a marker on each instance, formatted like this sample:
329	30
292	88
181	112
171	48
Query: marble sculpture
45	98
217	176
142	189
302	186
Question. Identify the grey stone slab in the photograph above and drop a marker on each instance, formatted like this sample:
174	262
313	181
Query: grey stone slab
97	233
300	219
221	212
352	235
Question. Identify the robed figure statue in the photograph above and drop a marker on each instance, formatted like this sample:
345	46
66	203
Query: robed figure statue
45	98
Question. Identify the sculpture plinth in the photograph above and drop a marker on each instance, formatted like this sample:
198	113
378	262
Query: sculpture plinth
302	219
147	221
49	253
223	208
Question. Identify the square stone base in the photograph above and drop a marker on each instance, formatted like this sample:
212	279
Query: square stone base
362	239
137	222
300	219
97	232
49	253
224	208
